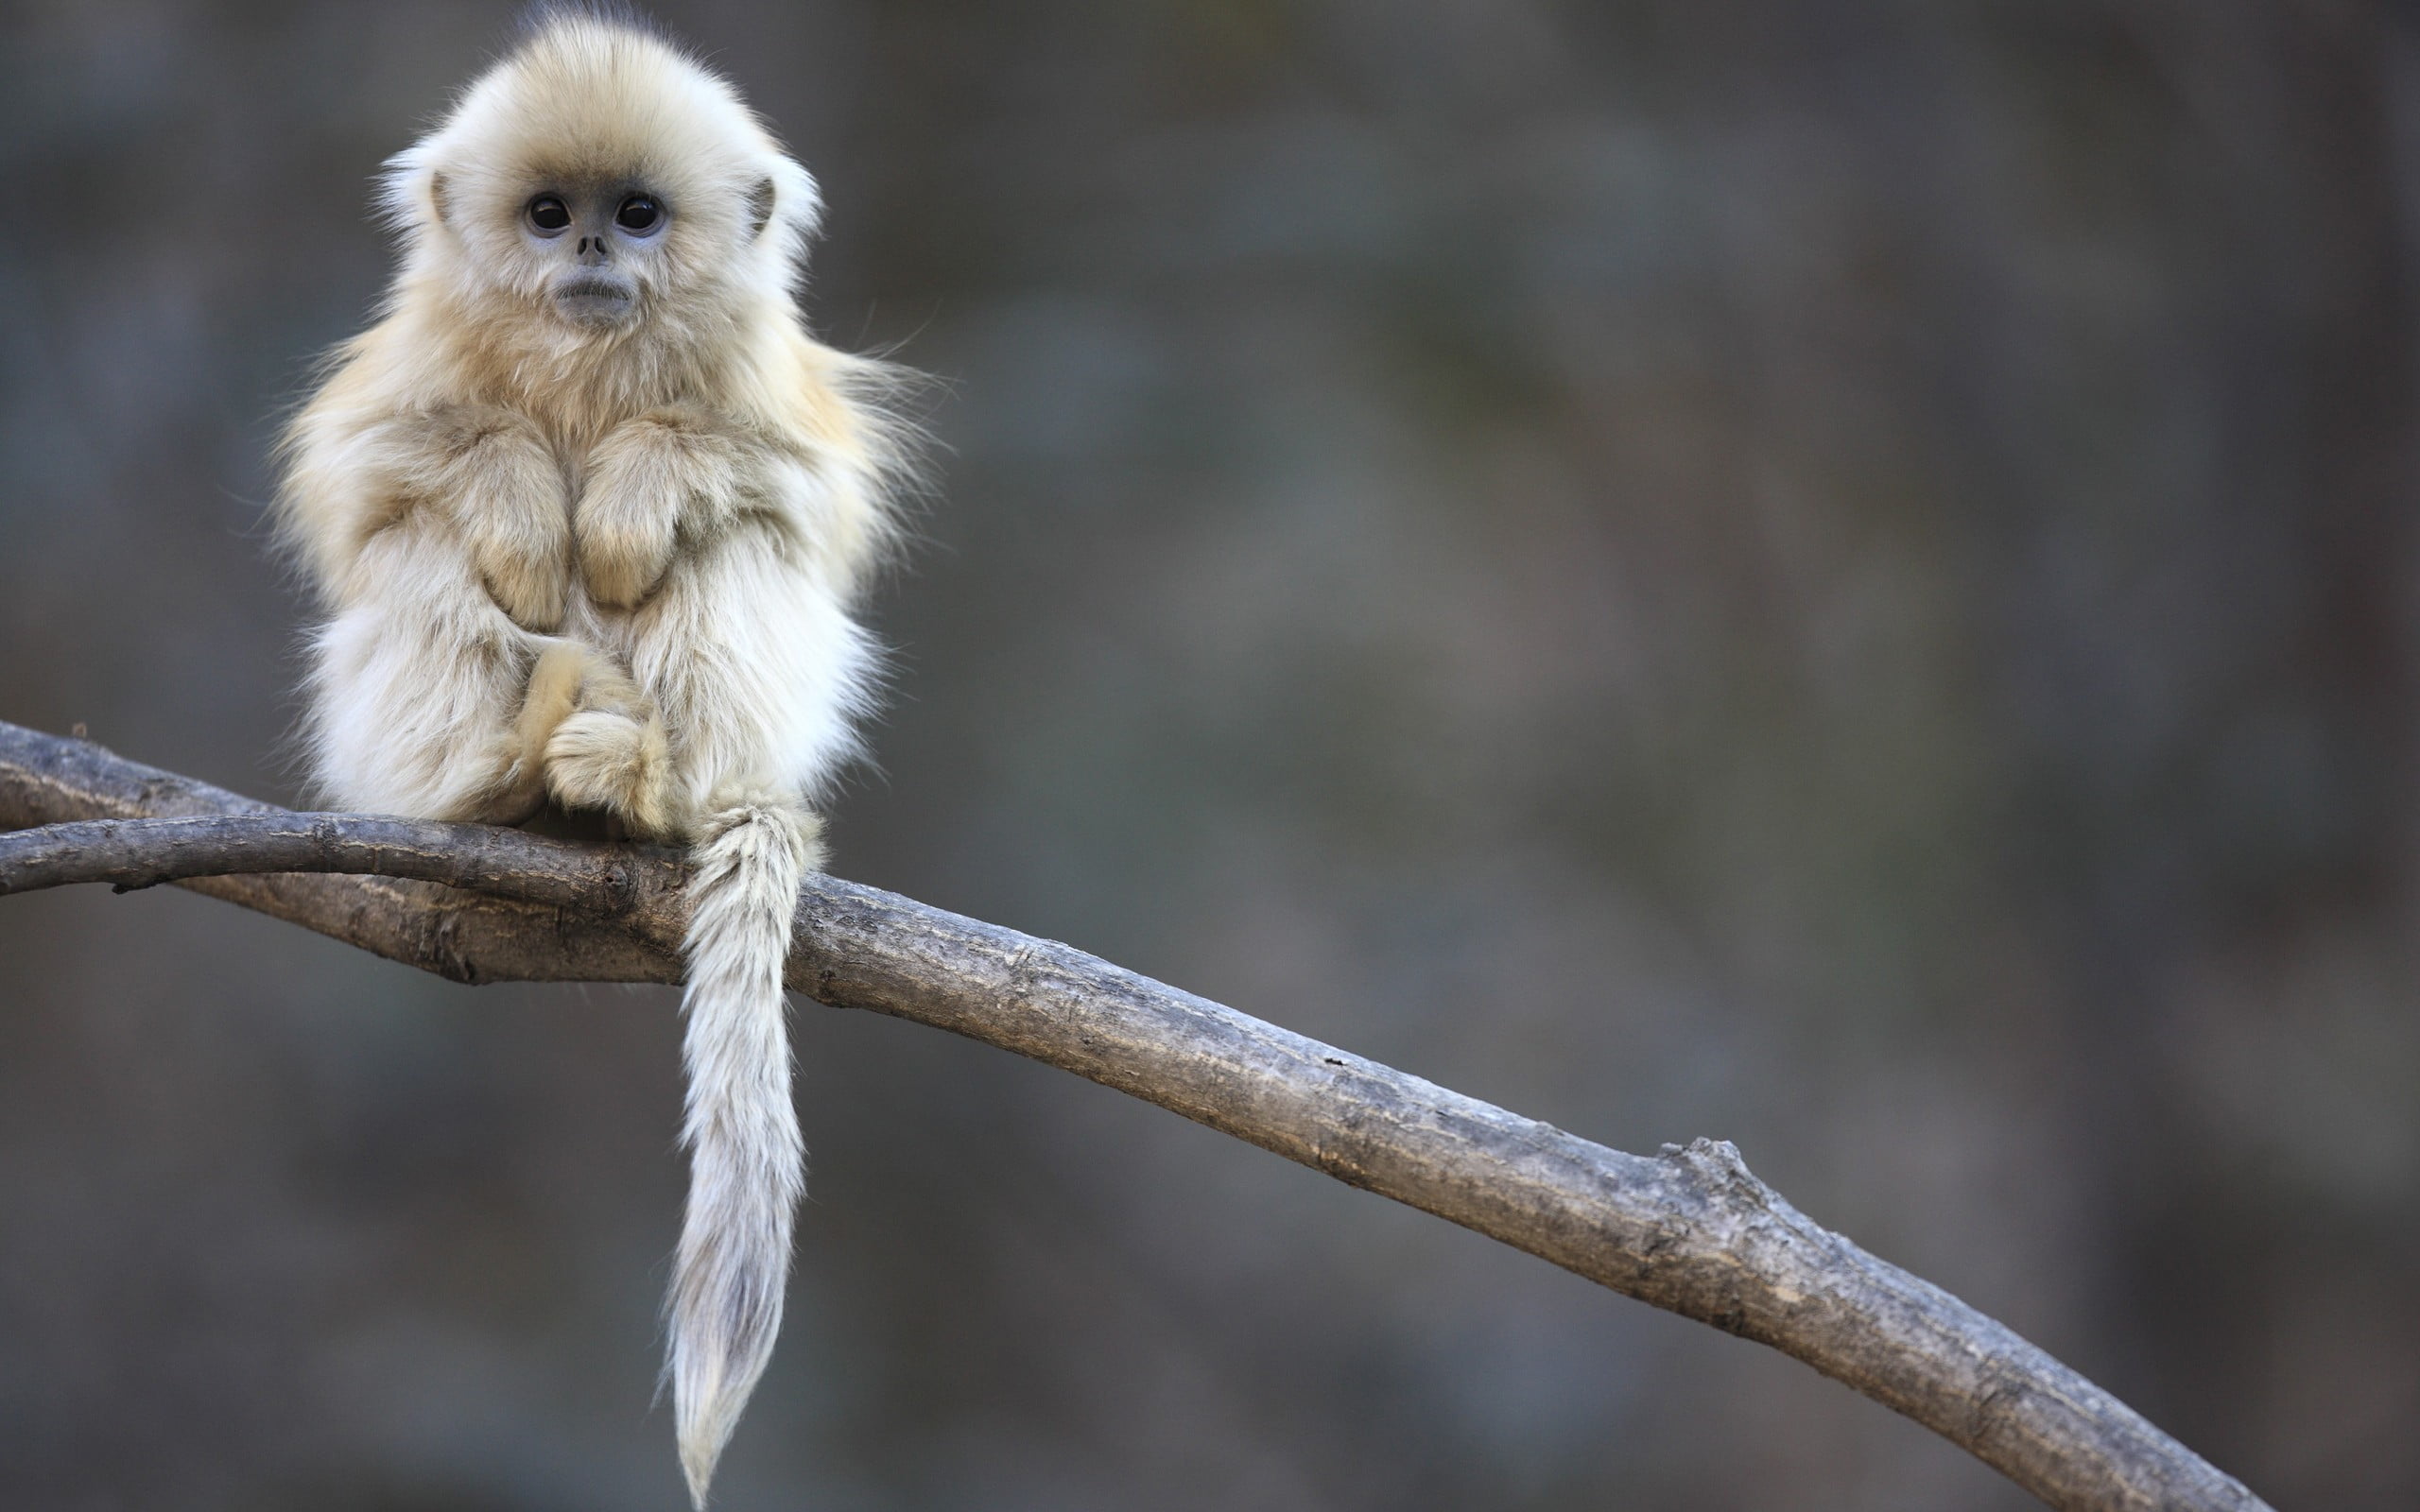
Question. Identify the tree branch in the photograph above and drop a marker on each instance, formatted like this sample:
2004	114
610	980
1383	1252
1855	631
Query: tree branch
1690	1230
635	885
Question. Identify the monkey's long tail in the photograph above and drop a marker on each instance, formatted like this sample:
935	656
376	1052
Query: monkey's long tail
747	1164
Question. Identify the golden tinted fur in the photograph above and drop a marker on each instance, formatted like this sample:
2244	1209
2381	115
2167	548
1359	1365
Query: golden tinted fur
586	511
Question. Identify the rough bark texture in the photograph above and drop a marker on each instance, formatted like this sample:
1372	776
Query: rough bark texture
1690	1230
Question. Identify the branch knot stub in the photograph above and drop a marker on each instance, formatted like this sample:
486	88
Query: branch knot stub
1716	1163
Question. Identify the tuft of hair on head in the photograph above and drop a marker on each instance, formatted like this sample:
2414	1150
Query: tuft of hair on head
539	14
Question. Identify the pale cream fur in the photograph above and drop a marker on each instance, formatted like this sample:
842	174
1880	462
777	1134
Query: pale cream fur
611	561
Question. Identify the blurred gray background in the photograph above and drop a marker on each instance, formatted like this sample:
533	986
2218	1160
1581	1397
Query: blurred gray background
1835	575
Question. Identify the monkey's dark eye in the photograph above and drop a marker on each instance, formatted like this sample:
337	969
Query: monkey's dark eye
549	215
638	213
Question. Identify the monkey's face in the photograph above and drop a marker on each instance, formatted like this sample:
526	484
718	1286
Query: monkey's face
594	245
598	193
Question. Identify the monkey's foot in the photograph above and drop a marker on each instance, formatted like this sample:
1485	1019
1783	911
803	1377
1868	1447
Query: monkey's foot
601	759
648	476
507	498
530	590
622	567
623	535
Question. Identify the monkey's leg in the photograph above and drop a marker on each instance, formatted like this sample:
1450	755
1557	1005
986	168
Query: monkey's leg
417	686
756	664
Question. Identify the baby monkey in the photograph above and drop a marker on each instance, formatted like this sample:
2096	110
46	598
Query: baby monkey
587	513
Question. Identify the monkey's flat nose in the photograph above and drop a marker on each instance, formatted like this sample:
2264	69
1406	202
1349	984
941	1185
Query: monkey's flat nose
594	251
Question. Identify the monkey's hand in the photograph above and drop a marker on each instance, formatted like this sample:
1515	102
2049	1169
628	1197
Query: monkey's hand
506	496
590	737
654	480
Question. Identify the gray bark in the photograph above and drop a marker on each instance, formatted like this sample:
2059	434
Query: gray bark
1690	1230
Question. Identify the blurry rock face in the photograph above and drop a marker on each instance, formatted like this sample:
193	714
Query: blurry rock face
1828	574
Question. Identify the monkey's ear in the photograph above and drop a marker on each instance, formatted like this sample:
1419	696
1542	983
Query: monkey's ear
760	208
437	193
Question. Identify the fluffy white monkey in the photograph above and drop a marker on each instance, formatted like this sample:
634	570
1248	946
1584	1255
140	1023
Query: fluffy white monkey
586	511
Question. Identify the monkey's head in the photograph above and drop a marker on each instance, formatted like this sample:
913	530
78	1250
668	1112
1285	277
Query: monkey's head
599	183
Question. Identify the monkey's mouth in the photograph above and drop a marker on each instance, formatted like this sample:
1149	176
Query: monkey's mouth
596	301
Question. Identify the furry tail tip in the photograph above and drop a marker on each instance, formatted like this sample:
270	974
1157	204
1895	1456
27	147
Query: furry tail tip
747	1164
